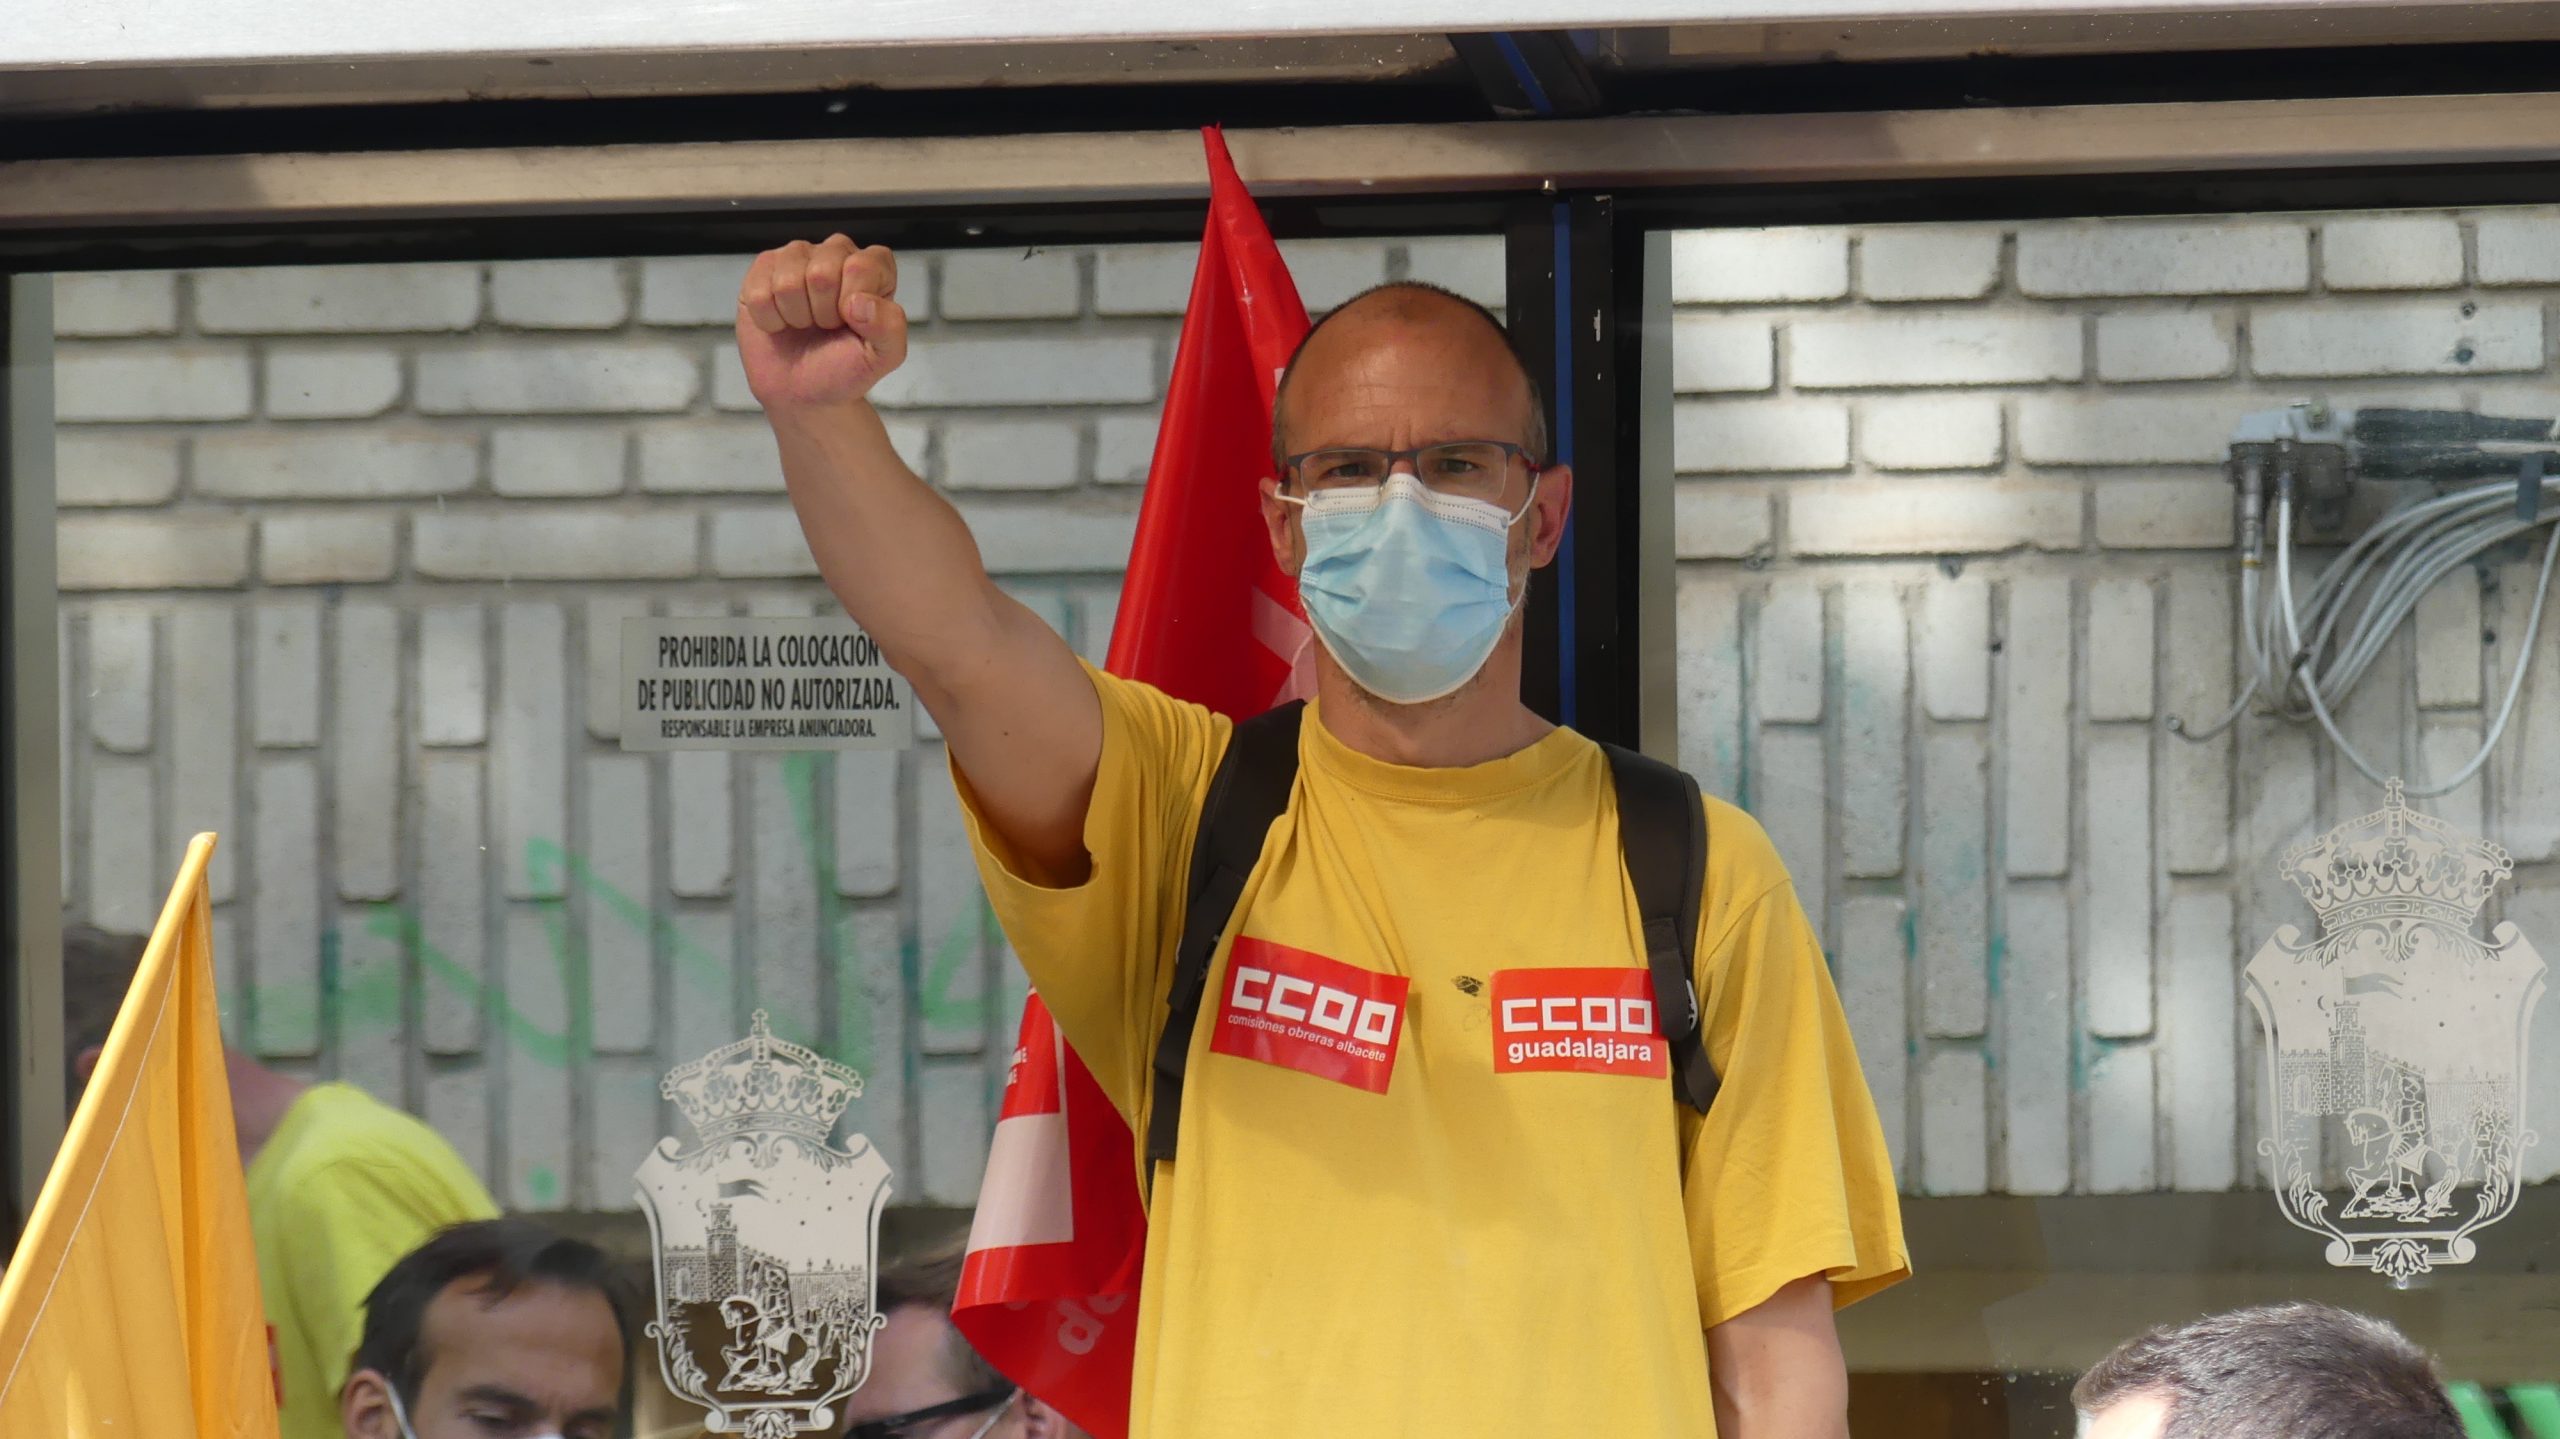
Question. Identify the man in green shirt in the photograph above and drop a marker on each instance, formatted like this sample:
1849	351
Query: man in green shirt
340	1186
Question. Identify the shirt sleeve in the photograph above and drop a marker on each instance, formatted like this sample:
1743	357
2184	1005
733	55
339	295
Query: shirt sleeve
1787	1174
354	1219
1101	952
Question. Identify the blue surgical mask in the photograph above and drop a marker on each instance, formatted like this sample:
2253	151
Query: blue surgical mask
1409	590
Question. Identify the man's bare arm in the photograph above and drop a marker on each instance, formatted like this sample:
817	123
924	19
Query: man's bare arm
1777	1368
818	326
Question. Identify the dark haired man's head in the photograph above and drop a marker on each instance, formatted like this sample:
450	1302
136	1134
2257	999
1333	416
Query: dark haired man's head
926	1382
491	1331
2286	1371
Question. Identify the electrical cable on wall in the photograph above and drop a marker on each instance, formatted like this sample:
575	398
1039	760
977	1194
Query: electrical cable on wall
2306	653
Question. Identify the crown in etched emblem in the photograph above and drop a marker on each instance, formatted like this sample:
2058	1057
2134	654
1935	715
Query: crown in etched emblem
761	1085
2396	861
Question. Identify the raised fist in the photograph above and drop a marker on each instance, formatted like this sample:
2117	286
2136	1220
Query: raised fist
818	325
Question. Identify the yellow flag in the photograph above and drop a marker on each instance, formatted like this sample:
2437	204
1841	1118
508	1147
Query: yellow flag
131	1309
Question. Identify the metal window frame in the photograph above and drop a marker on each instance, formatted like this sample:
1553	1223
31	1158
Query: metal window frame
30	755
1618	185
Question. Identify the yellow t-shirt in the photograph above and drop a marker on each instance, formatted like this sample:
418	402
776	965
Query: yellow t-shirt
344	1188
1385	1218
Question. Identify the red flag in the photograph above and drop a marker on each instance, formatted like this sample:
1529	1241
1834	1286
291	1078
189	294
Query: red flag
1048	1292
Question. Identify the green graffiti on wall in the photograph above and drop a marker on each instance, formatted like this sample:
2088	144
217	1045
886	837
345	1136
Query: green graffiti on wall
372	999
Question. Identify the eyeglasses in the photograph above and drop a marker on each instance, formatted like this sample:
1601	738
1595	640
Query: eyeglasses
905	1426
1466	469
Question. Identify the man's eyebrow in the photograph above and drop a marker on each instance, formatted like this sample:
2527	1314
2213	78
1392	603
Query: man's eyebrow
498	1394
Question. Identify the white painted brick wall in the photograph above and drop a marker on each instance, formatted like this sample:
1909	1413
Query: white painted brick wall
1875	682
1472	265
302	464
2119	647
453	676
2116	941
1143	279
94	381
2162	514
2132	257
1759	436
1932	432
523	543
1954	917
2036	653
1709	619
338	382
1012	285
503	462
1712	521
123	651
337	299
149	552
328	549
1955	1150
2200	1011
365	745
1956	349
126	302
1874	975
1123	447
2166	345
1011	454
1759	266
1043	371
556	461
1790	654
1955	641
2422	337
204	685
2036	1080
2448	621
1930	517
2196	685
1928	262
2399	252
559	294
1711	354
2064	429
558	379
2518	249
93	469
731	456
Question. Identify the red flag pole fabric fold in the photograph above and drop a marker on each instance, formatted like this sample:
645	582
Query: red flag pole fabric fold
1048	1292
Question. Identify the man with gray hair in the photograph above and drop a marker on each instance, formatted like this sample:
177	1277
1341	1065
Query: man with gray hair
2285	1371
926	1382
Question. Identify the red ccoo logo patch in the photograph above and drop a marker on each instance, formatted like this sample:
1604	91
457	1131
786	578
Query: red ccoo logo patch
1590	1021
1319	1016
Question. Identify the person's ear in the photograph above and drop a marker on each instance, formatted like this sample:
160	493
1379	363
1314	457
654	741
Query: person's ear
1547	511
364	1407
1288	542
85	1063
1039	1421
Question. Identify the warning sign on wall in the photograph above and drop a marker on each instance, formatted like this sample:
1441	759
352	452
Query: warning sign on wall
777	682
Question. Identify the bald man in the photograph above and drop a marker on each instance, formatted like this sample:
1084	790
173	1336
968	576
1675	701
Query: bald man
1422	1234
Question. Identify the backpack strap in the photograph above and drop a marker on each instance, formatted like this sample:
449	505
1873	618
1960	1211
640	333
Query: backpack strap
1247	793
1662	836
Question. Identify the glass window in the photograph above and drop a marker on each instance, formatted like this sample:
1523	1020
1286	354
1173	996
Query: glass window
1956	536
